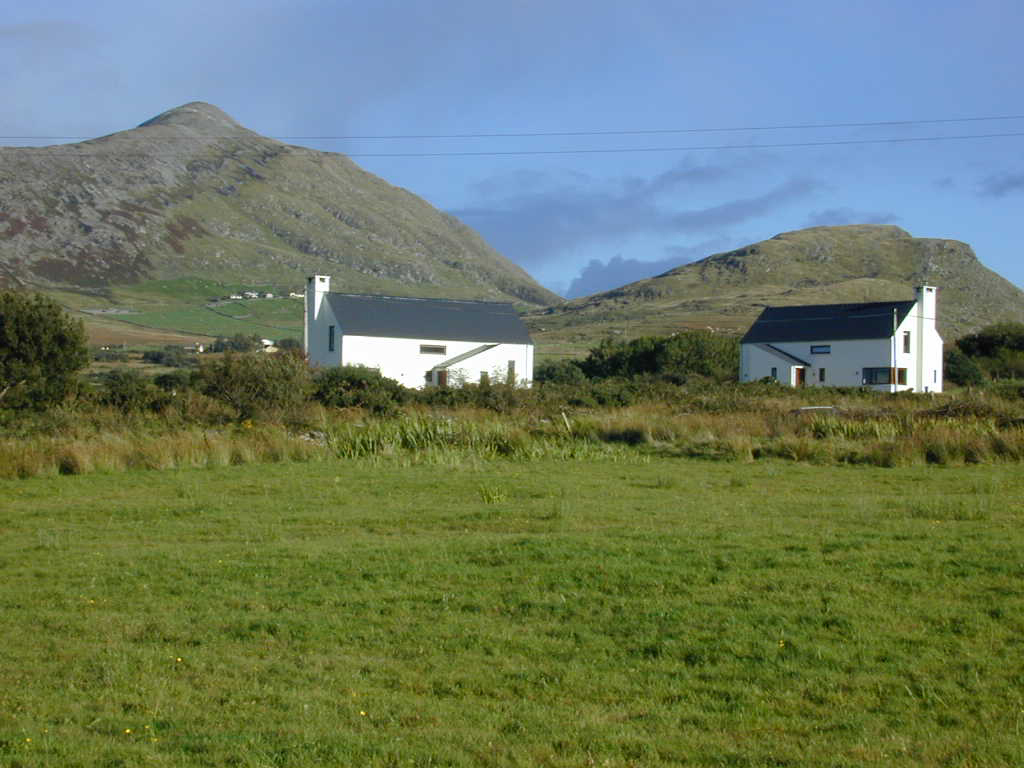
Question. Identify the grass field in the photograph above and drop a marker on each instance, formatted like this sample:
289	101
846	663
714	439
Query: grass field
624	611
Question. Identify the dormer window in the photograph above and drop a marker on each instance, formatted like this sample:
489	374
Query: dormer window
821	349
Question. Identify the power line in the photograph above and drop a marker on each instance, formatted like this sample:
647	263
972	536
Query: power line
613	150
696	148
658	131
557	134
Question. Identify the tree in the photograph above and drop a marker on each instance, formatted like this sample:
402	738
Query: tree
41	351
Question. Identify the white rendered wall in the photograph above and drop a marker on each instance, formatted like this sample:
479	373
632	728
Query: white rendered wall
319	318
402	360
845	363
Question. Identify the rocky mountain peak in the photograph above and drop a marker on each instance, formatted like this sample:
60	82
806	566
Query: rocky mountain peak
200	119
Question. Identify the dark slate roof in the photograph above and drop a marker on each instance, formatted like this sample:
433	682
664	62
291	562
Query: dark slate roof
827	322
441	319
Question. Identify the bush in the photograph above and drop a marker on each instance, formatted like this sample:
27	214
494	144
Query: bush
675	358
289	344
991	339
237	343
559	372
128	390
256	383
174	381
41	351
961	369
356	386
110	356
171	356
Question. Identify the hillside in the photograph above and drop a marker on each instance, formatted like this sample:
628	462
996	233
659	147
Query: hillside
819	265
191	193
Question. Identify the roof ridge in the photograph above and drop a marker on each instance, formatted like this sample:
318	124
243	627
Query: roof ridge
421	298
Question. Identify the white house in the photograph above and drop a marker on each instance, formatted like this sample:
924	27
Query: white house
891	346
417	342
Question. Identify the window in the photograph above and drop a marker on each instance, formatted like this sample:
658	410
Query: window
884	376
330	338
906	342
821	375
510	376
821	349
775	374
433	349
428	377
876	376
485	377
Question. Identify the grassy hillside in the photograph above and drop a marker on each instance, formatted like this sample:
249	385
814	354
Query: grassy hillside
193	194
820	265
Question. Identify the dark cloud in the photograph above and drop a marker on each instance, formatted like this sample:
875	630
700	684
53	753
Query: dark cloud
1002	184
535	217
834	217
599	276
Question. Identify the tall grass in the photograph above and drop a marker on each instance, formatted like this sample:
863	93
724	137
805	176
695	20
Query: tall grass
737	424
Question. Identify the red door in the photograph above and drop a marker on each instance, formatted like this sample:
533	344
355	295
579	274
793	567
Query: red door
801	374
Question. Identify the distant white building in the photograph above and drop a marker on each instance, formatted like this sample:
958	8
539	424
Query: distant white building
417	342
891	346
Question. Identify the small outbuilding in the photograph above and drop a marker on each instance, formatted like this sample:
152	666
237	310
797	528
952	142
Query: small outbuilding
892	346
417	342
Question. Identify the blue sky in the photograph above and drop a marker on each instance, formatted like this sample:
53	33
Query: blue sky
609	201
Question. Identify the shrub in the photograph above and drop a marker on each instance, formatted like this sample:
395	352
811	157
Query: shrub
175	381
675	358
559	372
128	390
237	343
171	356
960	369
289	344
356	386
110	356
256	383
41	351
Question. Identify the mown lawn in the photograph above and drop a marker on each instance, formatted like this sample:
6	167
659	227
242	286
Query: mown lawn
639	611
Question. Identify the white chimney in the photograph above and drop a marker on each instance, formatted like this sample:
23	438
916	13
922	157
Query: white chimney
925	296
316	287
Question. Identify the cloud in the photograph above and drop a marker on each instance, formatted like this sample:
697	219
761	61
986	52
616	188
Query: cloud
833	217
536	217
598	276
1002	184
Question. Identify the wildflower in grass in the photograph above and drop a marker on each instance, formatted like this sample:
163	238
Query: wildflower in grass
128	731
361	712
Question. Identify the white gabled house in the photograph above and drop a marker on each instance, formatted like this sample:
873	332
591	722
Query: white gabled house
891	346
417	342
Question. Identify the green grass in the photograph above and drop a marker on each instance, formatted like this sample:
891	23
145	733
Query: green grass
265	317
620	611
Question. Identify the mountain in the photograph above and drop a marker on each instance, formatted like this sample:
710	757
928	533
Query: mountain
820	265
193	193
